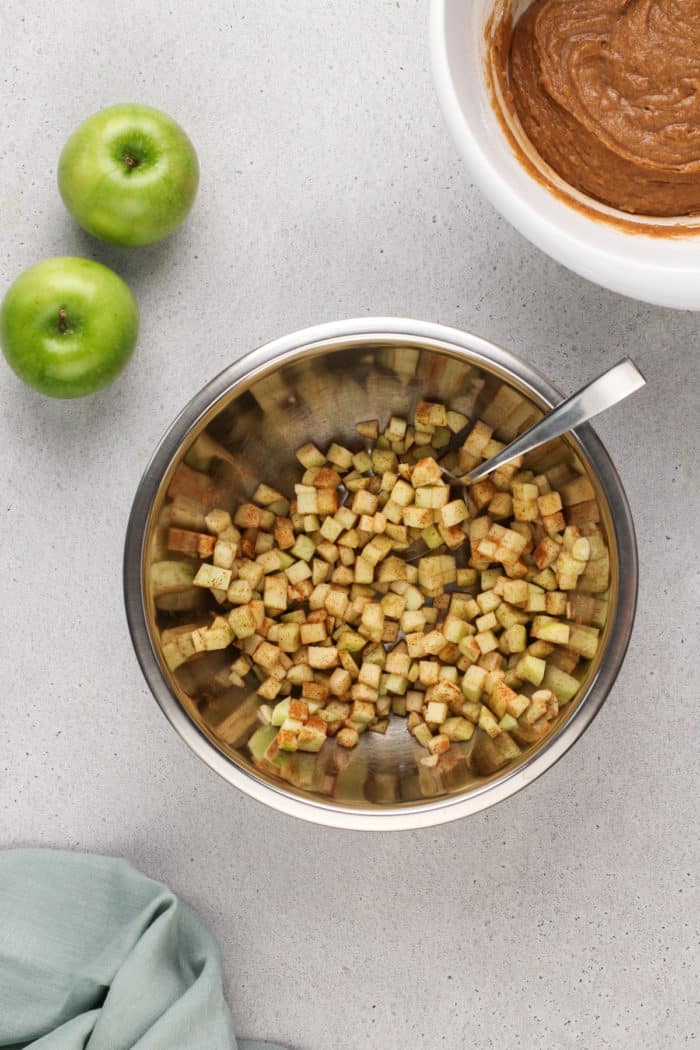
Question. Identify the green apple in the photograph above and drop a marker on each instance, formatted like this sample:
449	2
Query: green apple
129	175
68	326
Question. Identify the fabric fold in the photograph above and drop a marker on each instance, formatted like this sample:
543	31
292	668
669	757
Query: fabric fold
96	956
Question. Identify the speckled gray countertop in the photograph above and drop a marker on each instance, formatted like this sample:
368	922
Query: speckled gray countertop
565	917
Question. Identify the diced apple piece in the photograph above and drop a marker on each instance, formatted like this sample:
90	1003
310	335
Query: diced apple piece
531	669
193	544
457	729
348	738
212	576
550	630
439	744
242	621
473	683
323	658
309	456
564	686
515	592
422	734
430	414
436	712
515	638
488	723
218	520
546	552
583	639
170	577
261	740
492	754
578	491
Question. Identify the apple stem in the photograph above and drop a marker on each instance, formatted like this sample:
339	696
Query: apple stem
62	322
130	161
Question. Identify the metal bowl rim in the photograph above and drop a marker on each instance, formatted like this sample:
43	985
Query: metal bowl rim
293	346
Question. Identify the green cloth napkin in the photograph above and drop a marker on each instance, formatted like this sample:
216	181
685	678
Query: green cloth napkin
95	956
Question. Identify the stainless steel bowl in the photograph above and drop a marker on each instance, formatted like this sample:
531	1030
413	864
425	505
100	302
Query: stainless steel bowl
316	384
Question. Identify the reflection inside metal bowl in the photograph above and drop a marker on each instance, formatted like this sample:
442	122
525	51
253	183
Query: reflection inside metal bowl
250	435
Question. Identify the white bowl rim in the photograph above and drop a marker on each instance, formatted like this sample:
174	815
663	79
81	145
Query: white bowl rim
672	278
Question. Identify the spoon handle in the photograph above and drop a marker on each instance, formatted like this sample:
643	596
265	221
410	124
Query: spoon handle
607	390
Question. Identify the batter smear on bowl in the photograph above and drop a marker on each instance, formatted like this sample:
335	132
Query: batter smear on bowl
608	92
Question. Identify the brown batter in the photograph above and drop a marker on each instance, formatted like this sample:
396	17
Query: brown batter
608	92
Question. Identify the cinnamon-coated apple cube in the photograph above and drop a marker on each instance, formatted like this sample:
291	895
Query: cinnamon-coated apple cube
430	414
309	456
427	471
323	658
550	630
439	744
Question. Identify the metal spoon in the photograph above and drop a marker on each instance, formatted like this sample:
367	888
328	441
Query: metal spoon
613	386
607	390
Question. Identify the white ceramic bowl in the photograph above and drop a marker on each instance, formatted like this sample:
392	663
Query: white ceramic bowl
661	270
